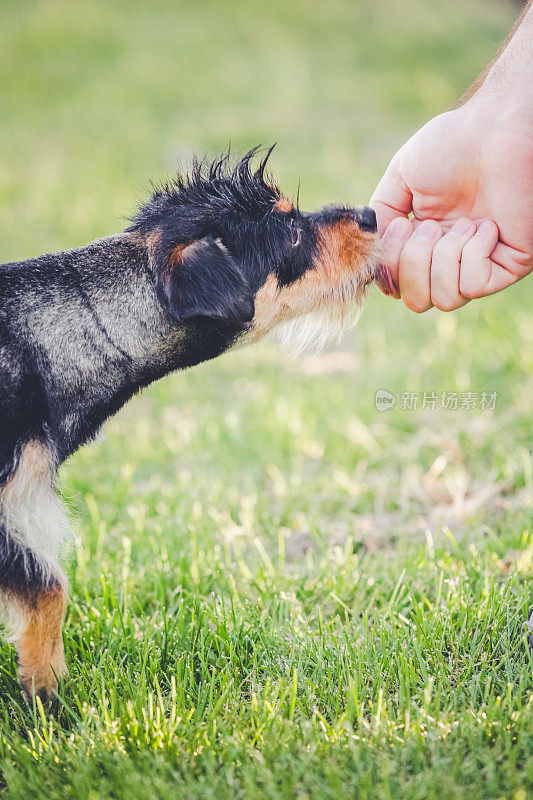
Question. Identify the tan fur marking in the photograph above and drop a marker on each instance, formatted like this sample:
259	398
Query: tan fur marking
343	253
270	309
342	249
40	647
284	205
35	462
177	255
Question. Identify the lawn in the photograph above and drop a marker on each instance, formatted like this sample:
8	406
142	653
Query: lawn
282	591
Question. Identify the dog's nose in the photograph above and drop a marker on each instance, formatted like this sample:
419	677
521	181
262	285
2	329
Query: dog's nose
366	219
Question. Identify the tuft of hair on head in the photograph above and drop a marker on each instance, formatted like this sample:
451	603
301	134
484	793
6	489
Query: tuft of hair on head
219	182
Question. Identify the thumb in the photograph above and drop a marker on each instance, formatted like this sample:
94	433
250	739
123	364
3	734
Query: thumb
392	197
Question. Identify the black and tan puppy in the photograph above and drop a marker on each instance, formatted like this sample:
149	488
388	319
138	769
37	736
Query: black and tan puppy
212	261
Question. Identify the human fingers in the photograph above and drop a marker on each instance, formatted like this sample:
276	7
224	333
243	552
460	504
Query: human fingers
392	197
445	265
415	266
488	266
479	275
394	238
517	262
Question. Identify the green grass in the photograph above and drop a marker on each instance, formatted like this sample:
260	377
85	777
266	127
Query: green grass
282	592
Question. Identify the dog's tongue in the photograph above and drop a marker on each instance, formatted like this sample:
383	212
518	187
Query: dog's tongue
384	280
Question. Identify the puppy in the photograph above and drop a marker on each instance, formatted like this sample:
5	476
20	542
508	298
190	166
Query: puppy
214	260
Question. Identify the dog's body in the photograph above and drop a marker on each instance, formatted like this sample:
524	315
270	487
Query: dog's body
210	262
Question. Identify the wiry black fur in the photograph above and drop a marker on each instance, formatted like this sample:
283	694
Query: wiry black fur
81	331
223	188
237	205
21	572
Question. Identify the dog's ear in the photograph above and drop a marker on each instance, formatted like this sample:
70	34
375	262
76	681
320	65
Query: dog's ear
201	279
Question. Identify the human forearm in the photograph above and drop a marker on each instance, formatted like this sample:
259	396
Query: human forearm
508	80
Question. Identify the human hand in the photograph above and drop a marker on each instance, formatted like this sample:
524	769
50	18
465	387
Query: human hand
456	174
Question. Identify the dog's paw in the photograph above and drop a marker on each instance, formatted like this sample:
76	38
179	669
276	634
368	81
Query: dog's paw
41	679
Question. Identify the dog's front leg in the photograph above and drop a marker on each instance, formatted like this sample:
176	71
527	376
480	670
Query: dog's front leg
33	598
40	647
33	588
34	626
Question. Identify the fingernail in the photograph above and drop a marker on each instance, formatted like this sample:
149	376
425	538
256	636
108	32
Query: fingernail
486	227
399	229
429	229
462	226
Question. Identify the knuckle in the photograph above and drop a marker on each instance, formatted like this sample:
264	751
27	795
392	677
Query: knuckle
469	287
415	247
417	253
474	249
415	304
470	292
443	303
447	249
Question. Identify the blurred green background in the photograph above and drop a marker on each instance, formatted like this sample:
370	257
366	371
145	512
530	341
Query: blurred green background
270	482
97	98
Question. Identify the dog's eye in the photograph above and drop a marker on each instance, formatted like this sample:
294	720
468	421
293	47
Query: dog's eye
296	233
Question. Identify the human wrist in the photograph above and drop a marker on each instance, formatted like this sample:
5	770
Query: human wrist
497	106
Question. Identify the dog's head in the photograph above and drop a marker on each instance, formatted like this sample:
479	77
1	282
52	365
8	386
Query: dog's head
234	256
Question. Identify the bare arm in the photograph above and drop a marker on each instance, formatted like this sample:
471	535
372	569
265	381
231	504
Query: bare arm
498	58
